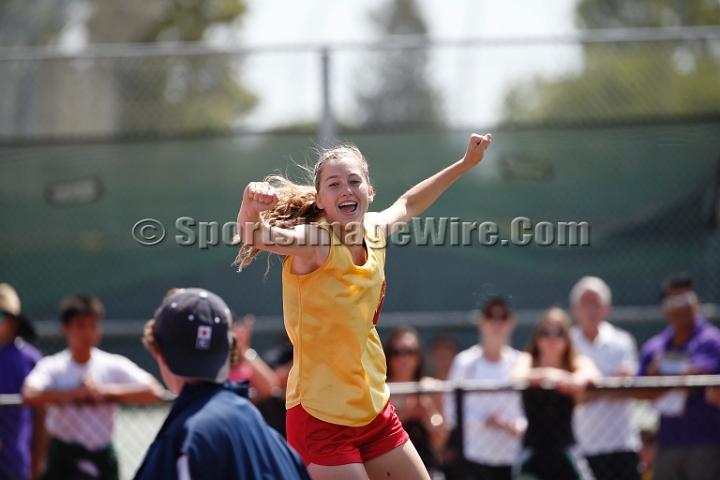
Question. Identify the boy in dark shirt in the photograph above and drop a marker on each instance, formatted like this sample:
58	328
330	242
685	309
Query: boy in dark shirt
212	430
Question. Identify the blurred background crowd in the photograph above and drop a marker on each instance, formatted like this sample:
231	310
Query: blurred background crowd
537	412
601	112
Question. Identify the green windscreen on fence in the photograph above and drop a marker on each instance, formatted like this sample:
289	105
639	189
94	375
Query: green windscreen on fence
647	192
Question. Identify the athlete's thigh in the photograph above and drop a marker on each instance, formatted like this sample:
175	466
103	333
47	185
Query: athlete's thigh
350	471
401	462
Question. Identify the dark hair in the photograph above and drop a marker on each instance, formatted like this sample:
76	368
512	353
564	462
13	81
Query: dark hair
396	334
81	304
444	340
555	316
496	301
678	280
279	355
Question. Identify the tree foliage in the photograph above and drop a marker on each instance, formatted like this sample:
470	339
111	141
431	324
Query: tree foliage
149	95
629	81
396	91
592	14
175	94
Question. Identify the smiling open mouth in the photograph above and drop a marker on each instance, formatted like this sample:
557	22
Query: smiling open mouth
348	207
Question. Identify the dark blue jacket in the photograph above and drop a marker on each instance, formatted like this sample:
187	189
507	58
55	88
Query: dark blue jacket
224	437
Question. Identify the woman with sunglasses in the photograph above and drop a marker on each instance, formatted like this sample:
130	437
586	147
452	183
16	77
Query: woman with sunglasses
493	422
420	413
556	376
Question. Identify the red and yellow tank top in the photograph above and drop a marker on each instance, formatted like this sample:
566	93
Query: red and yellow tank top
339	369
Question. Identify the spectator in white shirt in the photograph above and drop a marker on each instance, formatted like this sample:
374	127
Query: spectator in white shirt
603	428
80	385
493	422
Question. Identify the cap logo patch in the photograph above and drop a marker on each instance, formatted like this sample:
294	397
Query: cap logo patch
204	335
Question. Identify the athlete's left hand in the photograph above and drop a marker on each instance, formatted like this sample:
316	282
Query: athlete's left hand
476	148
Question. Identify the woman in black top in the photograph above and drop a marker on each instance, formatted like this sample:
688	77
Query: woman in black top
556	375
419	413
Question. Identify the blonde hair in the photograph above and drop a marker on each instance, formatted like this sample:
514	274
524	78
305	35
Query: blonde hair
296	203
346	150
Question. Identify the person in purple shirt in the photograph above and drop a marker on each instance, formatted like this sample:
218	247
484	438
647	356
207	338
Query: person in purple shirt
689	441
20	426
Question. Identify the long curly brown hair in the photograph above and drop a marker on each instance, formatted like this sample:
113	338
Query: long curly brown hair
296	203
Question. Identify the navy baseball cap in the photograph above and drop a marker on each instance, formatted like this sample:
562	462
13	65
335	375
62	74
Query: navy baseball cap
193	329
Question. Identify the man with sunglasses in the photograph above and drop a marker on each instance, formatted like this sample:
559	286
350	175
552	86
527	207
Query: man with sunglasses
688	442
604	432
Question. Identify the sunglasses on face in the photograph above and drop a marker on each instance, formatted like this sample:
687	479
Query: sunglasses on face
402	352
552	332
686	299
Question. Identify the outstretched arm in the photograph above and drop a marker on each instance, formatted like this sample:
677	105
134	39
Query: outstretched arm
132	393
416	200
37	397
89	391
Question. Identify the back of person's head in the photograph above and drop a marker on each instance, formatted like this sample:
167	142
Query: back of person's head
279	355
593	284
444	342
81	304
192	331
677	281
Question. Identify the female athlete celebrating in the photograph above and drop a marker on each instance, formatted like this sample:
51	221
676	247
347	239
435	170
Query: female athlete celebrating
339	416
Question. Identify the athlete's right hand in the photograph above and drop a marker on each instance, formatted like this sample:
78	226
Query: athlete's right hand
260	196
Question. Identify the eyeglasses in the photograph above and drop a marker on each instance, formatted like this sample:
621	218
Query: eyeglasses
497	316
686	299
402	352
552	332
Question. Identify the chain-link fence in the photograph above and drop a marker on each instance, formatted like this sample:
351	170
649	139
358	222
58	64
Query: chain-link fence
403	82
73	216
608	144
121	172
474	449
136	426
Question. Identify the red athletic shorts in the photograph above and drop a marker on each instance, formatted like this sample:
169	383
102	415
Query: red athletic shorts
329	445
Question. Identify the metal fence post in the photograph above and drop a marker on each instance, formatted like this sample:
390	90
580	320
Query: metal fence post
327	123
460	416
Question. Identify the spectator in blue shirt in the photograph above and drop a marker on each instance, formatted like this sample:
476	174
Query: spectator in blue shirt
21	427
689	439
